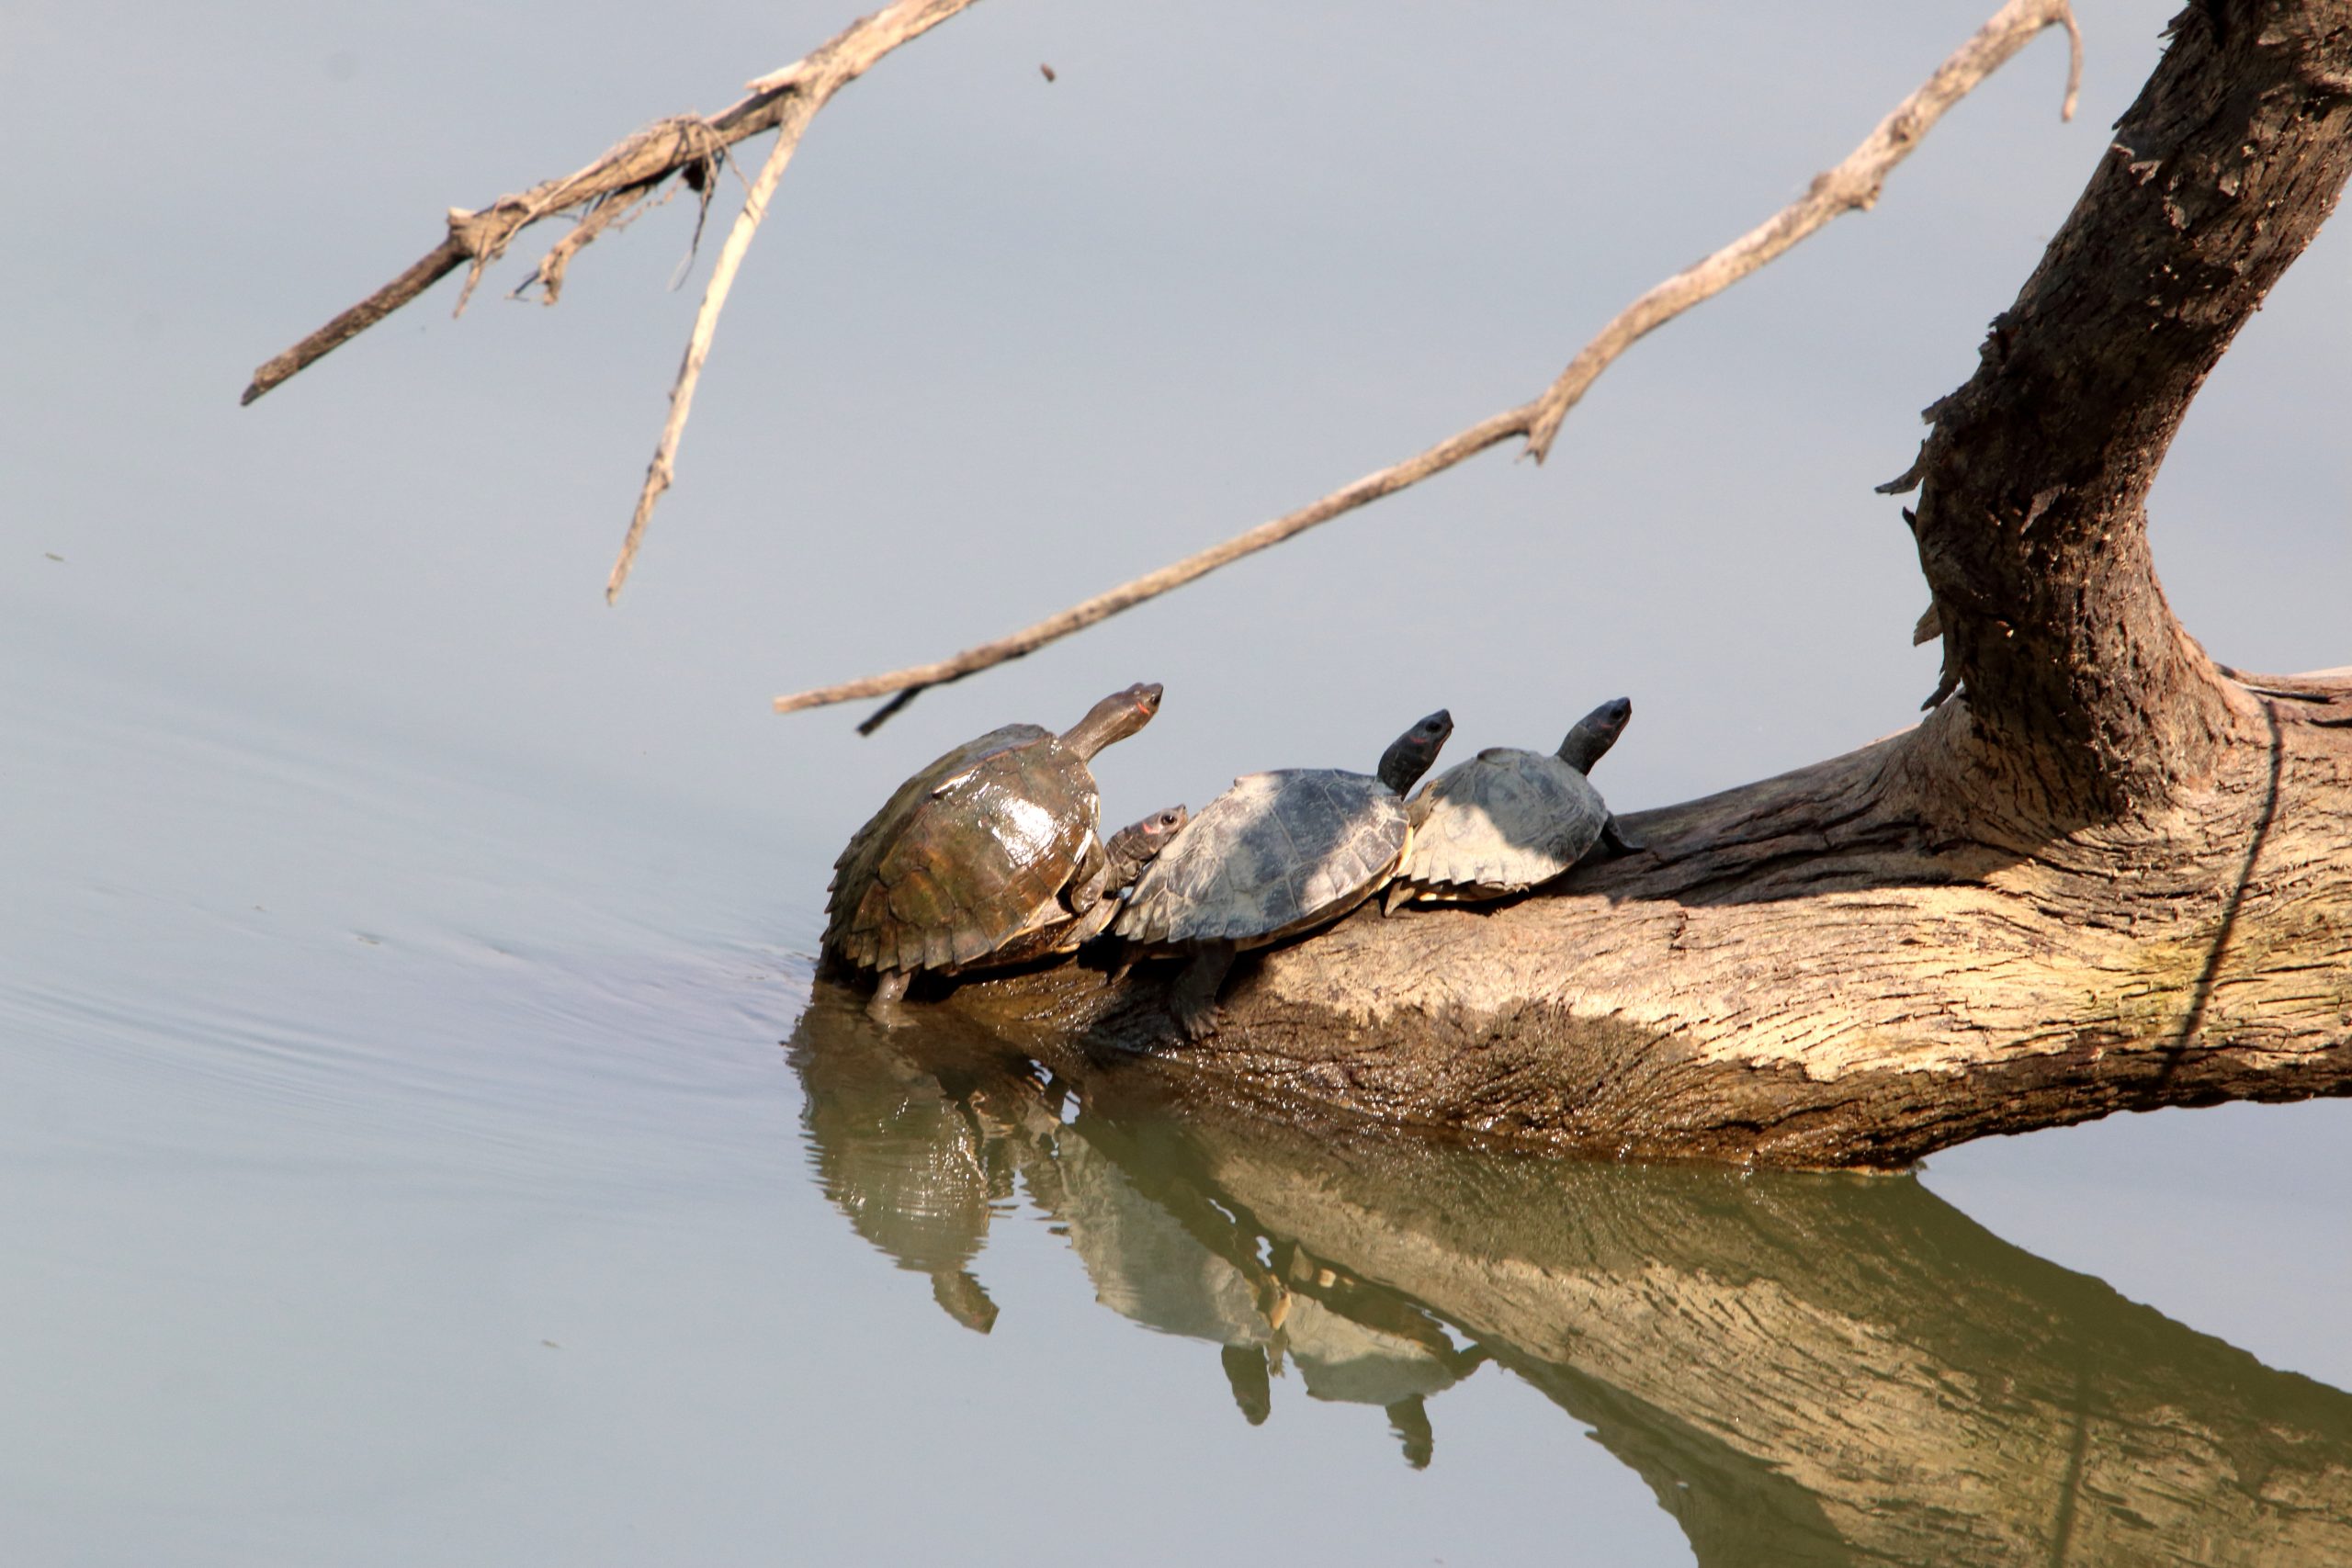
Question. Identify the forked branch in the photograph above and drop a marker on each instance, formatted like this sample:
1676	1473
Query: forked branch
618	180
609	189
1853	183
811	82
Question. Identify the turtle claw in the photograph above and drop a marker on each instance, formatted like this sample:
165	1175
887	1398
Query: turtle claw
1194	1000
1198	1022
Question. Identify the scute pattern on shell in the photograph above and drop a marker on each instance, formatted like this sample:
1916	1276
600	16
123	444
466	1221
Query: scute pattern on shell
1277	852
969	855
856	861
1503	822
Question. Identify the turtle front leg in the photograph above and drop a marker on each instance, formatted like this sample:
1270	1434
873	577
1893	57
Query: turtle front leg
1194	1000
1614	839
1093	923
890	989
1087	884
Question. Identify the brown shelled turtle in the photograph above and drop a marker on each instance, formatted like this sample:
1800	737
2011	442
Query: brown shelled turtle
989	855
1276	854
1508	820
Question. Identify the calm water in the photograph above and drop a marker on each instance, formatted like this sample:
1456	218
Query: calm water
403	1168
418	1140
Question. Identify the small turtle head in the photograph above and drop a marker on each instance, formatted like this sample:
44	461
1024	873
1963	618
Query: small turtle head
1162	826
1133	846
1115	717
1595	733
1412	753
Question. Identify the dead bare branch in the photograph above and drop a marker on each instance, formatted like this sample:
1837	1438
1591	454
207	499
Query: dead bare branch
625	174
1371	488
813	81
660	472
704	156
1853	183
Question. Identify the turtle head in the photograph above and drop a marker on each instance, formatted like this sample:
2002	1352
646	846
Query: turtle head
1595	733
1115	717
1410	757
1133	847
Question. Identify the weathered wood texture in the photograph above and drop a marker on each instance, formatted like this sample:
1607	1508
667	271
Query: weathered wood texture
2103	876
1814	970
2032	522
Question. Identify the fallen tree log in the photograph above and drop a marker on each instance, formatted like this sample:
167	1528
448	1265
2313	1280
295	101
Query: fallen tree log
2104	874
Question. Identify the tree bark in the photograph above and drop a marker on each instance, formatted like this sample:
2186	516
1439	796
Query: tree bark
2106	874
2033	520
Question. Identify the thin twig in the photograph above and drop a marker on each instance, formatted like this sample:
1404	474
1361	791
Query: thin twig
658	472
431	268
1852	184
813	81
627	171
1370	488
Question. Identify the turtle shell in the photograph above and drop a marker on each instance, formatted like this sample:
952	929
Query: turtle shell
1277	854
857	857
1499	824
1124	853
967	857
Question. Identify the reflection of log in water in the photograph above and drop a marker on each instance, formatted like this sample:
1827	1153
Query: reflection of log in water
1805	1370
1810	1368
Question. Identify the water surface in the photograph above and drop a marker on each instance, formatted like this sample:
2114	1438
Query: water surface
419	1140
409	1164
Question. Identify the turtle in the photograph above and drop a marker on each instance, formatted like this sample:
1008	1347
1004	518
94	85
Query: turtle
1135	846
1506	820
1278	853
1125	854
981	855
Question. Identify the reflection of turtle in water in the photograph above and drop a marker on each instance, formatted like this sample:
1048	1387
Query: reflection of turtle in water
1820	1367
1163	1251
904	1148
1276	854
922	1136
1509	820
987	856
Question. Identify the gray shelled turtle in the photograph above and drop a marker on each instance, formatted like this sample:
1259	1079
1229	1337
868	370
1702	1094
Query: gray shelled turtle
1509	820
987	856
1278	853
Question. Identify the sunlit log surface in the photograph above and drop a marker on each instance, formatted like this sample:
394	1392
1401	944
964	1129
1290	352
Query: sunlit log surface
1804	1369
1810	970
2103	873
